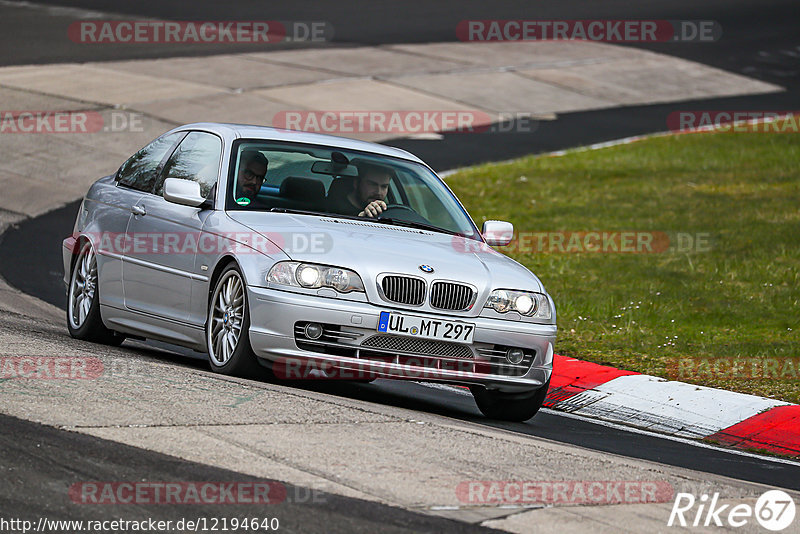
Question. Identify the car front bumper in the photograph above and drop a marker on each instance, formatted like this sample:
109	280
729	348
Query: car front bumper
274	331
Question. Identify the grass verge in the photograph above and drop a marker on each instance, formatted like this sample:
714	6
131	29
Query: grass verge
715	300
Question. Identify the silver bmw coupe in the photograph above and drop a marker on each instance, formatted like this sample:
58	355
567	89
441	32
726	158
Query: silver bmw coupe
308	256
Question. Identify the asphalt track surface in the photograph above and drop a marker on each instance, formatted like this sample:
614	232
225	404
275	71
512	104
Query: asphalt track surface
756	35
41	463
759	40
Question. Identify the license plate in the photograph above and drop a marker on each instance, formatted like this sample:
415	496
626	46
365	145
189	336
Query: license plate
413	326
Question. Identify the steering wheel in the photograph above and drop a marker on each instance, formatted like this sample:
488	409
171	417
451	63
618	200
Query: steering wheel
402	212
397	207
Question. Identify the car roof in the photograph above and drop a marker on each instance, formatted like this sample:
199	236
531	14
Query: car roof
248	131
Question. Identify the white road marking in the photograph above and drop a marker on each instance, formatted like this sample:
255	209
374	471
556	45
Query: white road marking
625	428
671	407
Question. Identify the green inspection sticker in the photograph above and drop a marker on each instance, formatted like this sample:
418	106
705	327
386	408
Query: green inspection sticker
243	201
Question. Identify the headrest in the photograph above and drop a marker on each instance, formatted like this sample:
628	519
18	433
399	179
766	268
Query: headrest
304	189
341	186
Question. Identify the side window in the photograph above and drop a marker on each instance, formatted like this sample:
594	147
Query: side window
139	172
197	159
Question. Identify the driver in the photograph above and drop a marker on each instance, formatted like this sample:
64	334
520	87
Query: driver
252	171
368	196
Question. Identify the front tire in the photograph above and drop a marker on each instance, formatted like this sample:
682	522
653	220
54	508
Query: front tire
83	302
509	406
227	339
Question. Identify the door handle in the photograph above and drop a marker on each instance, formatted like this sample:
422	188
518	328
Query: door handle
138	210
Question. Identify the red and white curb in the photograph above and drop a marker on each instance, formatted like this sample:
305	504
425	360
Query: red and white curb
674	408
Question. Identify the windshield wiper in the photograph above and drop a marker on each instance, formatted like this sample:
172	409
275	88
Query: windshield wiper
310	212
384	220
412	224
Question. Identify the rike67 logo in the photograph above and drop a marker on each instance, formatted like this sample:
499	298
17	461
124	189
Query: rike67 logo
774	510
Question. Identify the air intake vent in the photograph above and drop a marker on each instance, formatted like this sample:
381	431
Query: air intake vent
415	346
377	225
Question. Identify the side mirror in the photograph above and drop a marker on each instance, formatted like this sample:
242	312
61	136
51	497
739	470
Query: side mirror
184	192
497	233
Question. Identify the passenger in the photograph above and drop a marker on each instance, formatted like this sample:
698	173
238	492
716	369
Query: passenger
252	171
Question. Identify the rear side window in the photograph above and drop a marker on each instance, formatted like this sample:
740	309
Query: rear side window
140	171
196	158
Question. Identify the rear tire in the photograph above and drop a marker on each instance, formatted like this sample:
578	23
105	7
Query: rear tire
83	302
509	406
228	326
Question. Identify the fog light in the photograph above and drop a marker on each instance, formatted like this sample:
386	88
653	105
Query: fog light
515	356
313	330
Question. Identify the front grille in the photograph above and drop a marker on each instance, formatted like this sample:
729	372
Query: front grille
404	289
451	296
426	347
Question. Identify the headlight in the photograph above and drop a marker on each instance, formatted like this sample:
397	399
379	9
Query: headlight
309	276
523	302
312	276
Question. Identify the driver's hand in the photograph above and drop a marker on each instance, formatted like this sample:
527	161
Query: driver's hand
373	209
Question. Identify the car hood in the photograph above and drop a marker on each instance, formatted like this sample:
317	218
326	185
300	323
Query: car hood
371	248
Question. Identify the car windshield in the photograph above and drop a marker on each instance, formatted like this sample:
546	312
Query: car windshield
280	176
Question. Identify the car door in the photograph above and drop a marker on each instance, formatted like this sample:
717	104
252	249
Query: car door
112	211
157	274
